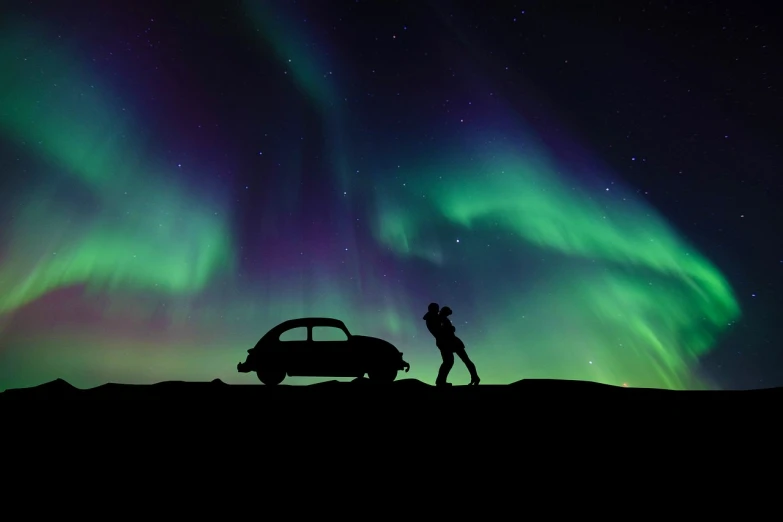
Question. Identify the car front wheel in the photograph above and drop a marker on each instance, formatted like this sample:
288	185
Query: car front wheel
271	376
382	375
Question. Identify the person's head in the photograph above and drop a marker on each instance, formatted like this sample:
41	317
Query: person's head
433	308
445	311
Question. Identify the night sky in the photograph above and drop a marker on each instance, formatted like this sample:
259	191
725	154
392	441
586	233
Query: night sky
593	189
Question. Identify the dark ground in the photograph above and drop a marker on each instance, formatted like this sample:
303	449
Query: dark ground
407	390
233	430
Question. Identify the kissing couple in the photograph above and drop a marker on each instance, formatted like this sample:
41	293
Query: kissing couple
440	326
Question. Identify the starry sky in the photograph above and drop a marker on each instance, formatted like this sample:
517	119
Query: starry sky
593	189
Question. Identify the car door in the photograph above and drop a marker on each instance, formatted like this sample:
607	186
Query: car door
296	348
334	357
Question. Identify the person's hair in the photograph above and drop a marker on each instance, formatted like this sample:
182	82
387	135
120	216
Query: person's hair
445	311
433	307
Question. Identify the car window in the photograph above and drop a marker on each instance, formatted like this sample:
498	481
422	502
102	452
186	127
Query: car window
328	333
295	334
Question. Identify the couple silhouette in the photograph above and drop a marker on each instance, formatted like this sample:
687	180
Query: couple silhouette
441	328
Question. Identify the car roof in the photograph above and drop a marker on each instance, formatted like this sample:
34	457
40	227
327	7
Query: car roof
308	321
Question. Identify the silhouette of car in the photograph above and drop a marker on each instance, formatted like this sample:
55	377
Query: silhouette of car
273	358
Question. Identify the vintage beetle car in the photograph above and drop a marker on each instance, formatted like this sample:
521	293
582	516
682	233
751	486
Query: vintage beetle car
353	356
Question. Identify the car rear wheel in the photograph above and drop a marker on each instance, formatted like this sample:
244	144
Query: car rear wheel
382	375
271	376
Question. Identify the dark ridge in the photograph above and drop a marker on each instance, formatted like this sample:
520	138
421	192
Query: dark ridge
361	389
54	389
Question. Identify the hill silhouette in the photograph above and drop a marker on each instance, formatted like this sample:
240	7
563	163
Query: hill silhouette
362	389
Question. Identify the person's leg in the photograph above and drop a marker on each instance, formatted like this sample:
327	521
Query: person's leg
462	354
445	367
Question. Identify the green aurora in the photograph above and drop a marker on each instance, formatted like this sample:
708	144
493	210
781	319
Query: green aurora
117	269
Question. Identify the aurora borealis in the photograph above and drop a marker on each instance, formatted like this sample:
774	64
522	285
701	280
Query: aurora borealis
160	217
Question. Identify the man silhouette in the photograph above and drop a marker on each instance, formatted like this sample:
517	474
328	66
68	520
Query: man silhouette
455	345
